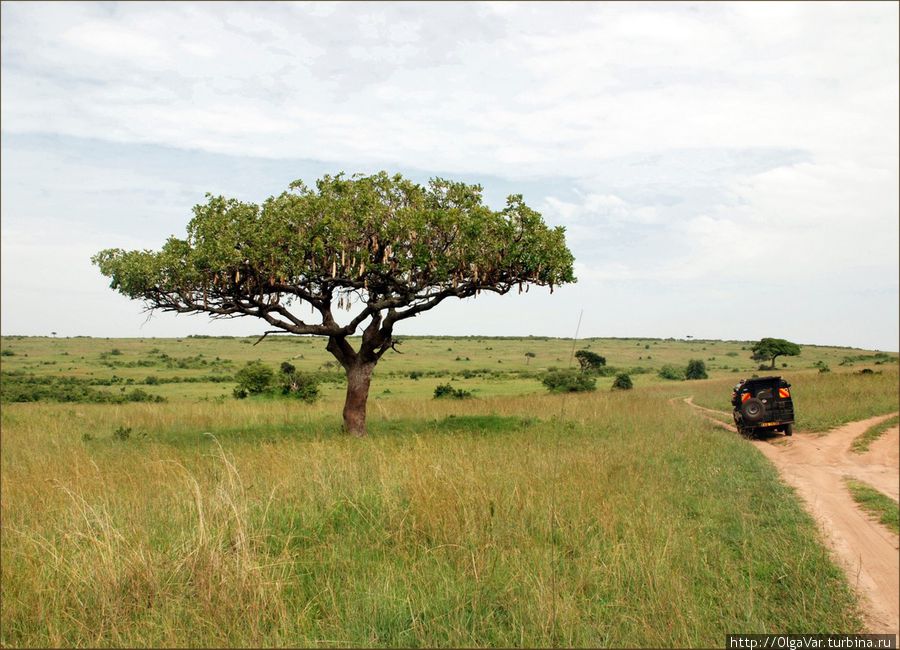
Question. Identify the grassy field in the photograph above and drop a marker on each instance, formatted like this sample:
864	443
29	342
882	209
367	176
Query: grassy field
873	433
877	504
515	518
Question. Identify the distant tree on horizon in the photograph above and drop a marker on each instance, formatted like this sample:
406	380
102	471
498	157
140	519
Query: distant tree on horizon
770	349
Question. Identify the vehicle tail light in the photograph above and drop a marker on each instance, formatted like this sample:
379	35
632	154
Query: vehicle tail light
745	397
784	392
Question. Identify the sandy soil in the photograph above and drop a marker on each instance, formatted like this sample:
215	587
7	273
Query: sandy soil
816	465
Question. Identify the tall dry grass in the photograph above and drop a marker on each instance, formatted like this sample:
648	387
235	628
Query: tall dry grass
602	519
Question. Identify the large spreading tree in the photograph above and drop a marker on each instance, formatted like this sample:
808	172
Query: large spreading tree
768	348
381	247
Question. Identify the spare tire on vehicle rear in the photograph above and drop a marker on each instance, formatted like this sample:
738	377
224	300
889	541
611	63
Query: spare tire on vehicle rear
753	410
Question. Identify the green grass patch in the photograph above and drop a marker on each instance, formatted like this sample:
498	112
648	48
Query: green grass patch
864	440
489	525
877	504
516	518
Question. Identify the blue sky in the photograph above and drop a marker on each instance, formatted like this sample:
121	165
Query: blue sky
723	170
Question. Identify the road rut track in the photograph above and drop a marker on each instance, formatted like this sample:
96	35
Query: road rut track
816	466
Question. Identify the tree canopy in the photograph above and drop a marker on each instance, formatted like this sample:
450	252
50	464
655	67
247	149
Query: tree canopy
589	361
769	348
381	247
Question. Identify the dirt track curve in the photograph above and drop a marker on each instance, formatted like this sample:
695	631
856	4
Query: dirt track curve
816	467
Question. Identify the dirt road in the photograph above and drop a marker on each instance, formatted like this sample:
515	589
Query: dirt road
816	466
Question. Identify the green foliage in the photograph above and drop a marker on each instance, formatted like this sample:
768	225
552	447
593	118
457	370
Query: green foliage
568	381
23	387
122	433
589	361
696	369
300	385
622	382
673	372
822	366
444	391
6	352
255	378
769	349
399	240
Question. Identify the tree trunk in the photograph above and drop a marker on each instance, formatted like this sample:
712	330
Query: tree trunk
359	376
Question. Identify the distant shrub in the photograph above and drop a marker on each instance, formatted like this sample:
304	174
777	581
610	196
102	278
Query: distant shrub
151	380
6	352
239	393
415	374
122	433
696	369
22	387
672	372
138	395
255	377
115	352
445	391
287	367
822	366
300	386
568	381
622	382
589	361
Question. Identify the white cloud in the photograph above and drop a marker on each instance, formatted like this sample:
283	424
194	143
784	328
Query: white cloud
523	91
682	140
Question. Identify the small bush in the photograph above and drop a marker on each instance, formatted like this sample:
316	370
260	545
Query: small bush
255	377
622	382
6	352
822	366
299	385
122	433
568	381
669	371
696	369
239	393
445	391
589	361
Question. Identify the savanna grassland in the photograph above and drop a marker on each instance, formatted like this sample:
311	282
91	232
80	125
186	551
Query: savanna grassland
513	518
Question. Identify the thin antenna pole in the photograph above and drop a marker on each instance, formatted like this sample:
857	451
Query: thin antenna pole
562	412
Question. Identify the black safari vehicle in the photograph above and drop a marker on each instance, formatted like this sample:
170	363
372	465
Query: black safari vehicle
763	404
